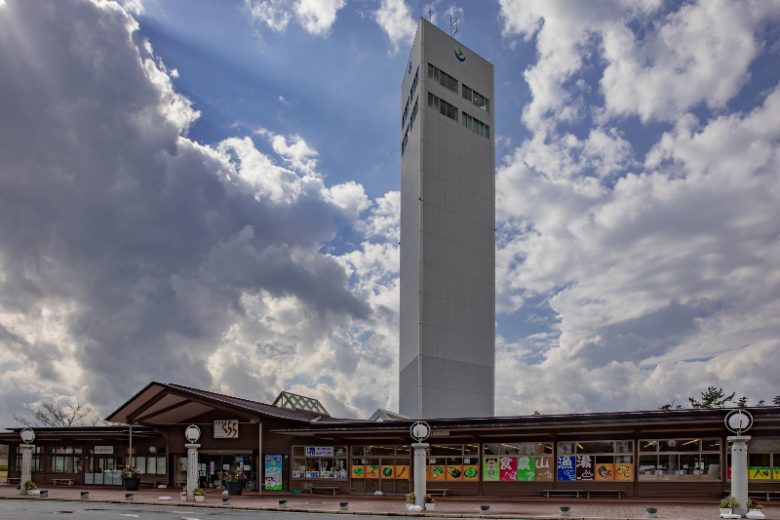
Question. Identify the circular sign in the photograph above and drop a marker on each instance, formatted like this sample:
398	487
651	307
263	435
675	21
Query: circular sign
420	431
739	421
192	433
27	435
460	54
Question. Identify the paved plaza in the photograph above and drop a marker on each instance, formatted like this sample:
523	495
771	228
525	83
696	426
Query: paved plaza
694	509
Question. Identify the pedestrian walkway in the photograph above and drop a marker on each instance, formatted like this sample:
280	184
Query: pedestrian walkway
500	508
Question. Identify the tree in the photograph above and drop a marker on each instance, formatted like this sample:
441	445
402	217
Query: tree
53	413
742	402
713	397
671	406
776	401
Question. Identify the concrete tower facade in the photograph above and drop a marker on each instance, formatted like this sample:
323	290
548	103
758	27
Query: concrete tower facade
447	310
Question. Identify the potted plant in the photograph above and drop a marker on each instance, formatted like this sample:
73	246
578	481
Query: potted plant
200	496
234	482
131	477
411	503
183	494
754	510
430	502
31	487
728	504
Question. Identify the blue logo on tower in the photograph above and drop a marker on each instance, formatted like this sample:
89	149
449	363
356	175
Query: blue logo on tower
460	54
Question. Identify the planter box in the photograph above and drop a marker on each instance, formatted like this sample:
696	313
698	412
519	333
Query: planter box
131	484
234	488
199	498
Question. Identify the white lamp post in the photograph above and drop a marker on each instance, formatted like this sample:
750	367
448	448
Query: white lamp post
28	436
420	431
739	421
192	434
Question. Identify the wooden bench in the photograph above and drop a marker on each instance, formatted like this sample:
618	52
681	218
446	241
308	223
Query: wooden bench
62	481
148	484
14	480
322	489
605	492
563	492
438	492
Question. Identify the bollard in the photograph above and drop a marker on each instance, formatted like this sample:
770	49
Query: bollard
652	512
344	506
565	510
282	504
44	493
85	495
484	508
225	500
129	497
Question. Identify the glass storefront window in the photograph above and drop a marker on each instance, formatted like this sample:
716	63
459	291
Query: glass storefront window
319	462
763	460
595	460
517	461
679	459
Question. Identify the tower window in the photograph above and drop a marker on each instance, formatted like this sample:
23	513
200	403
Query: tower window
476	98
442	78
476	126
442	106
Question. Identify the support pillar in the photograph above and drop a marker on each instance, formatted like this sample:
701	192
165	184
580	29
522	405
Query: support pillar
739	471
27	450
192	470
420	466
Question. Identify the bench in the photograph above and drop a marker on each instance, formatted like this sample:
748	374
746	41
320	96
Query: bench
146	483
321	489
62	481
14	480
563	492
605	492
438	492
765	495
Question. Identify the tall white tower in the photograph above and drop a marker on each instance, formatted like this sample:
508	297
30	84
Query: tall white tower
447	311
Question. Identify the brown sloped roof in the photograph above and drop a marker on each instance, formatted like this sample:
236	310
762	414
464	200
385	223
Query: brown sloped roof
154	389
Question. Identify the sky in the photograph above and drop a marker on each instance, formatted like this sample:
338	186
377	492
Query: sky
205	192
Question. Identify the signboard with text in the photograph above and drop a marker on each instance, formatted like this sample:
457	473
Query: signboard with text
226	429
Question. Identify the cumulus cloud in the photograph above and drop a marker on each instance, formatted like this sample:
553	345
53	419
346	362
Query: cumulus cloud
129	252
395	19
658	271
315	16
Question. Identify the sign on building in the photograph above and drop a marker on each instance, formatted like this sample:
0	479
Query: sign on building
226	429
103	450
319	451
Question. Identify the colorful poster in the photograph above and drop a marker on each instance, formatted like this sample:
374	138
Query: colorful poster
490	471
584	467
402	472
777	472
507	468
455	472
544	468
312	474
272	469
624	471
358	471
372	471
436	472
471	472
388	472
759	473
604	471
567	469
526	468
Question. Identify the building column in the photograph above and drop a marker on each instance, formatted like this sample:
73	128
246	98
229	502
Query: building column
27	450
192	470
739	471
420	466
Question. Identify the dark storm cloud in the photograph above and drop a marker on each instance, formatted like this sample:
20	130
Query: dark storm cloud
147	239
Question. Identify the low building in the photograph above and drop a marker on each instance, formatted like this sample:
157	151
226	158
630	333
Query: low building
296	445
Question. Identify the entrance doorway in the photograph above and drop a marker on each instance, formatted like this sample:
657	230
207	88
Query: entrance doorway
213	468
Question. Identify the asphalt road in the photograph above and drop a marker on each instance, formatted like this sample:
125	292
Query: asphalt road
53	510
